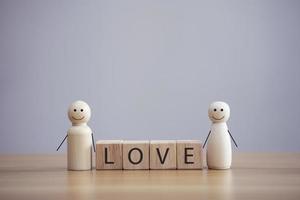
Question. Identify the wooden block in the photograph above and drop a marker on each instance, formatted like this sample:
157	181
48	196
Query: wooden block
136	155
163	154
109	154
189	154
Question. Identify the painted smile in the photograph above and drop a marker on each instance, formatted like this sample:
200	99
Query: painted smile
78	119
217	118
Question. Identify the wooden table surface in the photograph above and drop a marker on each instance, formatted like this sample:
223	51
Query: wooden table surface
253	176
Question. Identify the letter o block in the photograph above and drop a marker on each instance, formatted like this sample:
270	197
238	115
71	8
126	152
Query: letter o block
189	154
109	154
136	155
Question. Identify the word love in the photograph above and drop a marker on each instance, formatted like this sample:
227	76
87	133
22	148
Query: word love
154	154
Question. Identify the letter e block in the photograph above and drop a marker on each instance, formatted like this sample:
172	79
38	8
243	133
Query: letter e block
163	154
109	154
136	155
189	154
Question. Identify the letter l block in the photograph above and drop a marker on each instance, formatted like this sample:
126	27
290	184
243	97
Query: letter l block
109	154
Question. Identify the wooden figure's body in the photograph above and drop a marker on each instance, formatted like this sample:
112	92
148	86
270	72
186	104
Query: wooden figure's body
218	152
80	148
80	137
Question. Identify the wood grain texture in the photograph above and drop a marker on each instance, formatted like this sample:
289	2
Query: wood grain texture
189	154
136	154
253	176
163	154
109	154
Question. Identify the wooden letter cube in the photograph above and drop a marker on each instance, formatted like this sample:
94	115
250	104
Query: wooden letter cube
136	155
163	154
189	154
109	154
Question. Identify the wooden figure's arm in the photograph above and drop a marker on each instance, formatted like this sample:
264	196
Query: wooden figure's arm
93	142
206	140
62	142
232	139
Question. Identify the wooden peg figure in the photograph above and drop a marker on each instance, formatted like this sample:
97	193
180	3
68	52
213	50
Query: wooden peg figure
219	153
80	137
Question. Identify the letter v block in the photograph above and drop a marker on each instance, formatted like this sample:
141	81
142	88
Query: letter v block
136	155
109	154
163	154
189	154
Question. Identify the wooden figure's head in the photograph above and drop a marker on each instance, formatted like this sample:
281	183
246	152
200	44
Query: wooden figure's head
218	112
79	112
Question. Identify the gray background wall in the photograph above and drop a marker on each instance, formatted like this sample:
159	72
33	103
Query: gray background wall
149	70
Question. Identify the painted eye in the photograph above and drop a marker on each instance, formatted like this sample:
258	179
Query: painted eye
81	110
222	109
74	110
215	109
